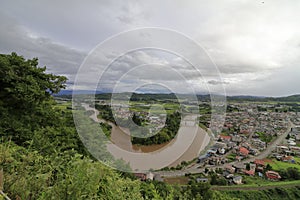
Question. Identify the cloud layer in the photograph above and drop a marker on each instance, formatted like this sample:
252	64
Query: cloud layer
255	45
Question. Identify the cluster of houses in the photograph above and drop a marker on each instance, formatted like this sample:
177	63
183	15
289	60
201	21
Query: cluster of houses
284	153
258	167
233	173
121	112
289	148
235	145
231	179
215	155
295	118
148	176
240	138
240	133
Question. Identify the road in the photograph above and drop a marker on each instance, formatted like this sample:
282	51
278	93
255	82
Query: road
194	169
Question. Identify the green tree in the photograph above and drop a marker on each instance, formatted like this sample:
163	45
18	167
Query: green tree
25	97
200	191
137	120
268	167
293	173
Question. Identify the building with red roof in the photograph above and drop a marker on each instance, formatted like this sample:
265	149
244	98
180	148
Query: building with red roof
250	172
273	175
225	137
243	151
260	165
244	132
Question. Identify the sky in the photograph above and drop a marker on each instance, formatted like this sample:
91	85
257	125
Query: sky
255	45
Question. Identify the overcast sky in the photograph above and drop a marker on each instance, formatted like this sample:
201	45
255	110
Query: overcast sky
254	44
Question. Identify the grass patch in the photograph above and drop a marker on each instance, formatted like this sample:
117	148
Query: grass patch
231	157
263	183
265	137
279	165
63	106
254	181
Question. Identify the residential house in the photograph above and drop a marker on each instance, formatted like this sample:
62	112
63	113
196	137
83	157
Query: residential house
230	169
239	167
273	175
249	172
260	165
221	151
225	137
236	138
141	176
253	151
281	149
237	180
202	180
202	158
252	166
212	152
243	151
295	150
219	145
288	159
215	160
231	145
149	176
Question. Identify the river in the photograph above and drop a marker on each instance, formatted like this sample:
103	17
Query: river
188	143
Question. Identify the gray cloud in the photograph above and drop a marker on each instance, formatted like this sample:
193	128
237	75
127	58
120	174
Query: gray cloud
58	58
254	45
216	82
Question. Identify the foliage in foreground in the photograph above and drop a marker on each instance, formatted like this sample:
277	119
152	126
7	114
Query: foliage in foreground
268	194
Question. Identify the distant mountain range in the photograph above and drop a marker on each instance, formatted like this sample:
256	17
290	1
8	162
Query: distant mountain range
70	92
292	98
201	97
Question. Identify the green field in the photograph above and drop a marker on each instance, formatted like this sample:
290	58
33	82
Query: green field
63	105
145	107
279	165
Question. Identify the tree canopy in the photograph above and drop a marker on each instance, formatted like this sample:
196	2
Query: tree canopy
25	96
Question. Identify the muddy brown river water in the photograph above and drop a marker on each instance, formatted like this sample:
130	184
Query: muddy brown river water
188	143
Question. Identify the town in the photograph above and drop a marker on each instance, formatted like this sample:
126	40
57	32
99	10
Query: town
258	140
